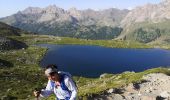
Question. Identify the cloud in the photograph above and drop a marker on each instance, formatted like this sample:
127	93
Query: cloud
130	8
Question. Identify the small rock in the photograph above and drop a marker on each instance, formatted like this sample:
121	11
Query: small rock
165	94
102	76
110	91
117	97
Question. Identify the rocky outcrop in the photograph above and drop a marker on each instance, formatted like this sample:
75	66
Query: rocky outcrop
10	44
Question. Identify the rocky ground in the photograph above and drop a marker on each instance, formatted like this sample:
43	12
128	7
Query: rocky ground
154	87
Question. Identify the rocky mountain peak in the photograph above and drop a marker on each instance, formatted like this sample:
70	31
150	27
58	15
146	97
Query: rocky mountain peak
74	12
53	9
72	9
57	21
31	10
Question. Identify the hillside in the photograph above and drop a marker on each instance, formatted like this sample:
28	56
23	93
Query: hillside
148	23
11	44
6	43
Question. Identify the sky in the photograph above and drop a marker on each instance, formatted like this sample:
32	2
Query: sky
9	7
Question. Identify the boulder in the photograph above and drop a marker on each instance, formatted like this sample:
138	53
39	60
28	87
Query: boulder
165	95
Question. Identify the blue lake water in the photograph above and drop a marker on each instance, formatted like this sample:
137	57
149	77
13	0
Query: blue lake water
92	61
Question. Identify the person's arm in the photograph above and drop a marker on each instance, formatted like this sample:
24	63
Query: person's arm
72	87
48	90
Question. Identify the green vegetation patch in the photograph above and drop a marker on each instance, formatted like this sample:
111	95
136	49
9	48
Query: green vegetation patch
147	35
25	74
146	32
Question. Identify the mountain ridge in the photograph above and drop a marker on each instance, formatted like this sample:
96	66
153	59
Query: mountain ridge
53	20
90	24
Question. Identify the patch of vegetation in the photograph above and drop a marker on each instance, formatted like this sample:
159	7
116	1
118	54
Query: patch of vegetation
25	75
147	35
97	33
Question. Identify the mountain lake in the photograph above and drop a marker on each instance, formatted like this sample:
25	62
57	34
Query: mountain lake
92	61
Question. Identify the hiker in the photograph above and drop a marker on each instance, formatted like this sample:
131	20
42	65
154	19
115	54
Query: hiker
59	83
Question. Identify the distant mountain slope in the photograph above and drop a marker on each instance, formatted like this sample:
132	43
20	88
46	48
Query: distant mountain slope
151	13
72	22
147	23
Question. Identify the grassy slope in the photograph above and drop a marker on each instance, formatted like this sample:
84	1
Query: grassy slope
19	81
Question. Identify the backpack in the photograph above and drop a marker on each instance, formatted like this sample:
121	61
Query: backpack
63	86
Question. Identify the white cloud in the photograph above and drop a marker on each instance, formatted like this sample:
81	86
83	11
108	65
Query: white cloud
130	8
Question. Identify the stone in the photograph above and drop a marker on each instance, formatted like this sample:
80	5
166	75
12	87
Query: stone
110	91
103	76
117	97
165	94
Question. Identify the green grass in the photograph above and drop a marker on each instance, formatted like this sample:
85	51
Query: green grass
19	80
36	39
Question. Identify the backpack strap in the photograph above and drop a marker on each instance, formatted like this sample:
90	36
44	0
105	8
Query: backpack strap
63	85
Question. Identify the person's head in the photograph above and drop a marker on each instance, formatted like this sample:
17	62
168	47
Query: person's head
51	72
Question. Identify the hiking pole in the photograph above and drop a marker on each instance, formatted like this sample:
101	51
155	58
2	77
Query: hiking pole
37	93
